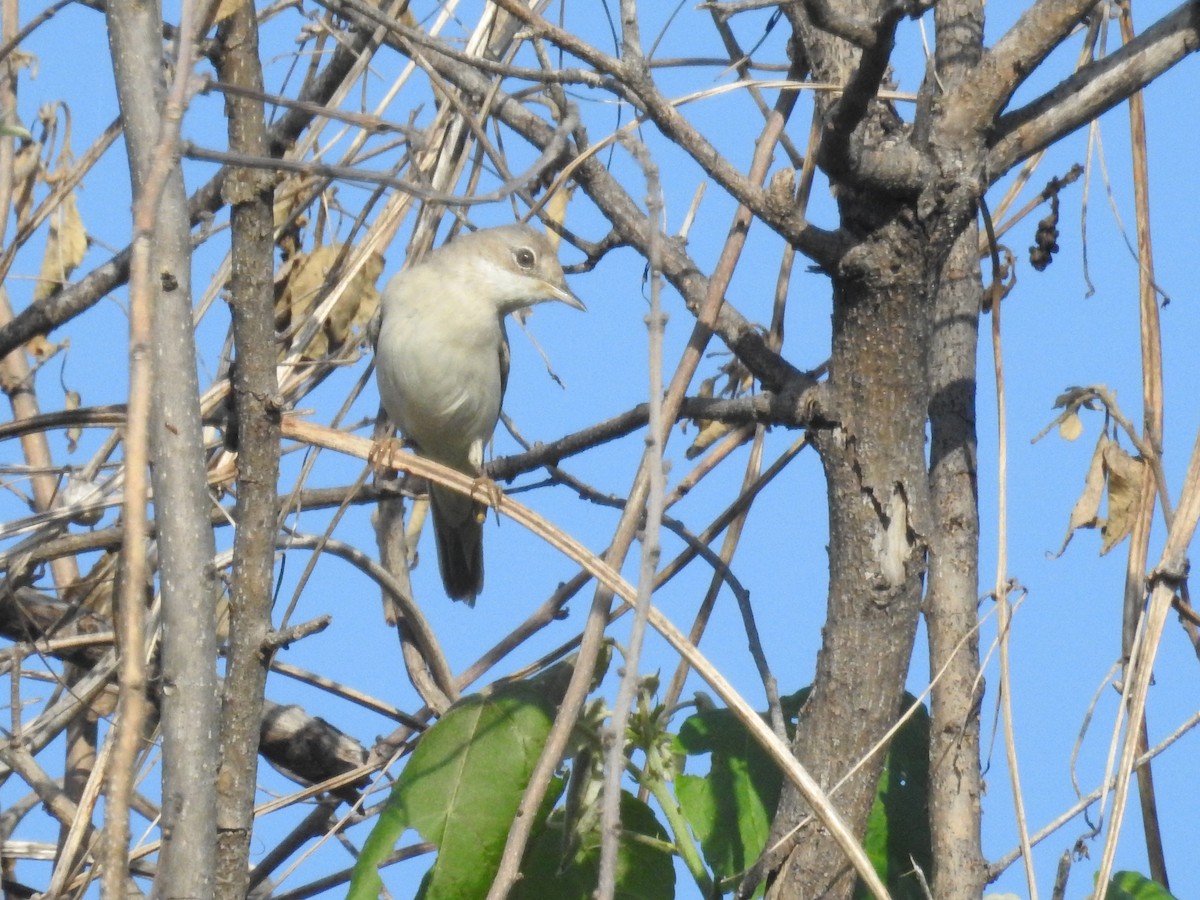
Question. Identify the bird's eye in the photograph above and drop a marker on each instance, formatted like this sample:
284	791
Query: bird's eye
525	257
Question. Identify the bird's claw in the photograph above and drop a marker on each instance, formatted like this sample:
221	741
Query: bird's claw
380	454
487	487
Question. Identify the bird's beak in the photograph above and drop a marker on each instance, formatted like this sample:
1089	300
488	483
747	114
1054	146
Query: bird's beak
564	294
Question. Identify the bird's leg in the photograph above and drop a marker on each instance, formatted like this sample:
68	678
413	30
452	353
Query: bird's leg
483	482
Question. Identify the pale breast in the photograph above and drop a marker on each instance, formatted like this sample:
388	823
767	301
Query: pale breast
441	386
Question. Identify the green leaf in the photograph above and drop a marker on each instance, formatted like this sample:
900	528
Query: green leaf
645	871
1132	886
461	788
730	809
898	835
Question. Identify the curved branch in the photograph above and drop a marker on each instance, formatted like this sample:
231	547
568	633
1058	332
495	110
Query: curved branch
898	169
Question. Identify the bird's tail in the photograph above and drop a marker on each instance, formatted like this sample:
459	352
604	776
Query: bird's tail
458	527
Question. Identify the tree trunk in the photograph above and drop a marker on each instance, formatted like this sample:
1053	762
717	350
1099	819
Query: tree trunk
874	457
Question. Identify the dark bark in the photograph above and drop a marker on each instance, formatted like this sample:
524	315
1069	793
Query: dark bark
249	193
878	525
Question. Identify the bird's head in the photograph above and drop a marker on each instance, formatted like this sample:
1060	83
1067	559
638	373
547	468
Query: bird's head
516	267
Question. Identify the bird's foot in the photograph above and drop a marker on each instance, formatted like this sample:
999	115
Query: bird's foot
380	455
489	489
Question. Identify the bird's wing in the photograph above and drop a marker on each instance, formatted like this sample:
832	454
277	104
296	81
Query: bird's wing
505	360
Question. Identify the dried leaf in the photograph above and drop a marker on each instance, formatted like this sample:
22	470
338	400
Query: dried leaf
1119	475
710	433
305	279
357	303
1071	427
1086	513
287	196
27	167
1124	493
556	212
65	248
299	286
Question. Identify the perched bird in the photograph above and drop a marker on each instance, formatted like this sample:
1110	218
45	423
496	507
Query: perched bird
441	361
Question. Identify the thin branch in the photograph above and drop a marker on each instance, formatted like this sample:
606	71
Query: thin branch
613	734
291	739
640	89
1002	583
997	868
532	175
42	318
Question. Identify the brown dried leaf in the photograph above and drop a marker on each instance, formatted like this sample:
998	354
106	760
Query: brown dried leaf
1086	513
556	212
711	432
27	167
1124	492
287	196
300	286
65	248
298	297
357	303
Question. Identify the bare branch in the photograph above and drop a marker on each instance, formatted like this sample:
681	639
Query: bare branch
895	169
298	743
42	318
640	89
1094	89
256	410
982	94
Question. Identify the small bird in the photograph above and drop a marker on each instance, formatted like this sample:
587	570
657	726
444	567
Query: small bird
441	360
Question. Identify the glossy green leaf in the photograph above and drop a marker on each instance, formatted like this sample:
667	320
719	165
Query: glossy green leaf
898	835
